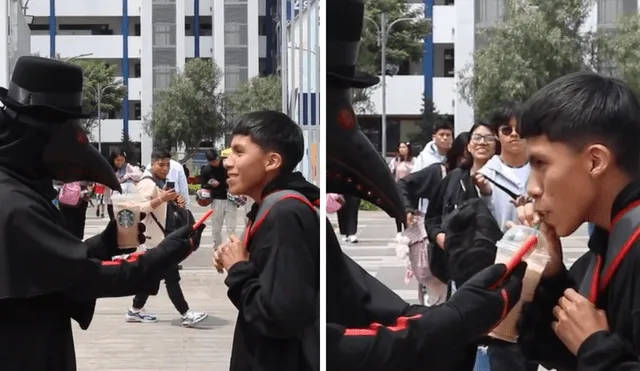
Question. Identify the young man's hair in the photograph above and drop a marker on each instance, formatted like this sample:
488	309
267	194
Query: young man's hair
583	108
211	155
442	125
160	154
273	131
504	111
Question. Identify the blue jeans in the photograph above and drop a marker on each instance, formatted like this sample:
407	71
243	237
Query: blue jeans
590	228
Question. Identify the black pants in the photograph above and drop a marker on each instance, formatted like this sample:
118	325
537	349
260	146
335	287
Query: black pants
74	218
172	283
110	212
398	226
348	216
505	356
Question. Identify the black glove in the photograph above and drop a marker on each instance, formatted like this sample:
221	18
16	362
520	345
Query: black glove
483	302
186	237
104	246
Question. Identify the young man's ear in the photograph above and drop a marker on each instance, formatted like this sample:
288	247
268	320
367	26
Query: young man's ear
274	162
601	159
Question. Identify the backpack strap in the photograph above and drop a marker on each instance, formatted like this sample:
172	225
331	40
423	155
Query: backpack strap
267	204
623	236
151	214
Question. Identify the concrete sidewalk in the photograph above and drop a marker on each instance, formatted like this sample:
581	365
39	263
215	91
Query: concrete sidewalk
111	344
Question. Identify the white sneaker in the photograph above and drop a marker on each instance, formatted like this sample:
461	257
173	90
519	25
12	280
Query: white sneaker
345	239
192	318
353	238
140	316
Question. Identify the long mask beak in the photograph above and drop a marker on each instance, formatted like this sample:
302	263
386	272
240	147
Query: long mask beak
70	158
354	167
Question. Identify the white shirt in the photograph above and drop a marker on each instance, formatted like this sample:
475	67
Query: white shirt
177	175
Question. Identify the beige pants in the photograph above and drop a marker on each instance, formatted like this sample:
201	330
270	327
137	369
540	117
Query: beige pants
224	214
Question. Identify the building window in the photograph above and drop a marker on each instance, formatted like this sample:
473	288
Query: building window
137	70
610	10
235	76
449	69
235	34
137	110
164	35
136	30
489	11
162	76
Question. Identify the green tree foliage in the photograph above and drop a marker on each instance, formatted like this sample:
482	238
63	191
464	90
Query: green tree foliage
620	50
404	41
537	42
430	117
189	110
260	93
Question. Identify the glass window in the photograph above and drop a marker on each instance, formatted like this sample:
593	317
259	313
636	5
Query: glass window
235	76
610	10
489	11
164	35
235	34
162	76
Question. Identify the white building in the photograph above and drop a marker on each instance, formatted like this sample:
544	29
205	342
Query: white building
448	51
149	40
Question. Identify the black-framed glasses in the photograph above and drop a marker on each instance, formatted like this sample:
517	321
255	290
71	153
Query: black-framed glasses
489	138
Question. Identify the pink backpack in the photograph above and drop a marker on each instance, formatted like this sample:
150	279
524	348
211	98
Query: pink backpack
70	194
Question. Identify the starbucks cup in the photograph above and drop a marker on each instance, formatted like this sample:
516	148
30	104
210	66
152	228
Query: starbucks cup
126	208
536	261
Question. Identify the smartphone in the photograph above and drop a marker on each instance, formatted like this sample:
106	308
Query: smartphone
171	185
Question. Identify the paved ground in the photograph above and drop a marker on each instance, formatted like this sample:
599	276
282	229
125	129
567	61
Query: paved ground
376	230
111	344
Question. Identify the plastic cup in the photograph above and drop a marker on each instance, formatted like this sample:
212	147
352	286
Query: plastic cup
126	208
536	260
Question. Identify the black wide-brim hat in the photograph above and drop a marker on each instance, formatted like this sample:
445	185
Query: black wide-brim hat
345	20
45	88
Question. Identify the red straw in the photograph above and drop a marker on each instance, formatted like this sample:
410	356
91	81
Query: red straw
528	245
204	218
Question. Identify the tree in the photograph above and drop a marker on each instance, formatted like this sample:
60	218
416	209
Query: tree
100	81
536	42
260	93
189	110
621	49
404	41
430	117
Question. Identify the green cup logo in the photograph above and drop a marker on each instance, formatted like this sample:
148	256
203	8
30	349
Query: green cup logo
126	218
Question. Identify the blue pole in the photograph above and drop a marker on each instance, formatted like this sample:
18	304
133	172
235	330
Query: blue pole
427	56
196	28
52	28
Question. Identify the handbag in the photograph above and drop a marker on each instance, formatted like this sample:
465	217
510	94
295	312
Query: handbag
70	194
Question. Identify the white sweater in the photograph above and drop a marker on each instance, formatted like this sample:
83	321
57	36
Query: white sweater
149	190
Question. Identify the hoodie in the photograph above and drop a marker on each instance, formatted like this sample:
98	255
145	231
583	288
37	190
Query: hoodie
513	179
427	157
276	292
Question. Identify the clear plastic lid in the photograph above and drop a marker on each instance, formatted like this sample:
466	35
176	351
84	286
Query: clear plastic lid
516	236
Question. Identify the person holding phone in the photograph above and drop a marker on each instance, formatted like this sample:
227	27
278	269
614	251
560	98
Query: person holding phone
155	187
213	178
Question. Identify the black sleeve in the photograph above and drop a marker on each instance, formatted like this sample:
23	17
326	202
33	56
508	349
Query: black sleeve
205	175
538	341
420	338
60	263
280	299
421	184
433	219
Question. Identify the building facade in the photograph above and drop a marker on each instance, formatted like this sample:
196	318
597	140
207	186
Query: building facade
148	41
448	51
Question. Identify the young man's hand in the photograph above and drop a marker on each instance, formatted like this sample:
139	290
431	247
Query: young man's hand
577	319
181	201
232	252
167	195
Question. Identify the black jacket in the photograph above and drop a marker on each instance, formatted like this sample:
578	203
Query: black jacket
218	173
614	350
277	290
421	184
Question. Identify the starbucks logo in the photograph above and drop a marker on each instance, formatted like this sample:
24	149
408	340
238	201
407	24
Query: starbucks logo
126	218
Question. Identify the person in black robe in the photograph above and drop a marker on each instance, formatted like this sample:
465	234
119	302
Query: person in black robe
47	275
369	327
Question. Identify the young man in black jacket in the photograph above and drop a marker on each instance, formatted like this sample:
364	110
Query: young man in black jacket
582	133
274	274
213	178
